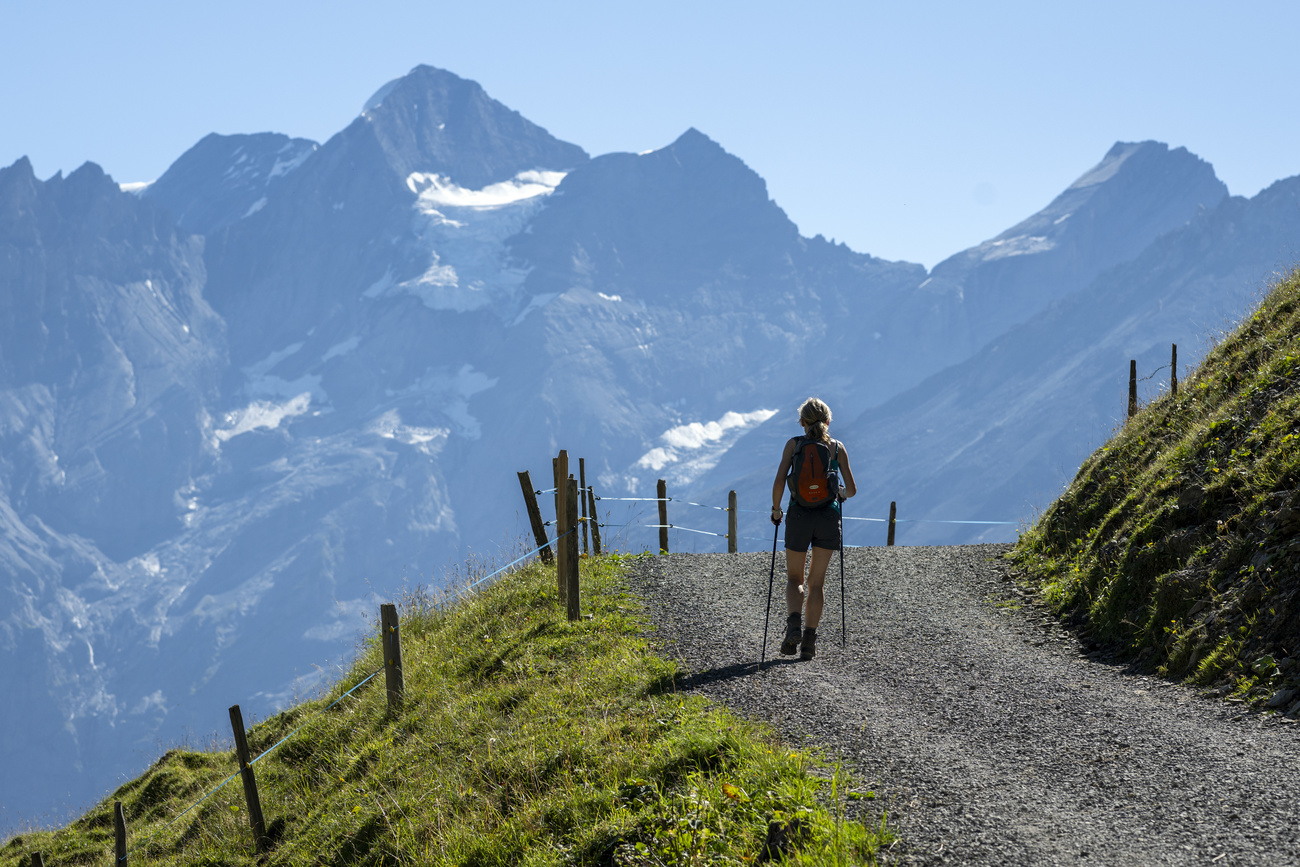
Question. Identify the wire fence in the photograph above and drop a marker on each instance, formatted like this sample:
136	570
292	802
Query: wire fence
140	846
640	521
643	521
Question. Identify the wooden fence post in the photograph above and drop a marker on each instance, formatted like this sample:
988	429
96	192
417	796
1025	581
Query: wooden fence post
594	521
38	861
391	638
119	833
582	489
255	820
571	578
561	523
1173	372
1132	387
535	517
893	513
663	516
731	523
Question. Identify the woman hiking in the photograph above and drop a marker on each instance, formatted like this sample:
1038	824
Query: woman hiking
811	465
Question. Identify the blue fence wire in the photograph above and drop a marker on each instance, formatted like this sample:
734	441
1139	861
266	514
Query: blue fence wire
536	550
260	756
757	512
273	747
685	529
934	521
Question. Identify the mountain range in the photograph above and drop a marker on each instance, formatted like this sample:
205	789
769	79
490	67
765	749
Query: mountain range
242	405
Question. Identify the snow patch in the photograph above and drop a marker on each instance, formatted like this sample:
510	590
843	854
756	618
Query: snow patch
427	440
463	232
610	297
261	414
135	188
286	165
254	208
436	191
1021	245
682	445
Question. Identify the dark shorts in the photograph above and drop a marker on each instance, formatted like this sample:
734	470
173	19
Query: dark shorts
819	528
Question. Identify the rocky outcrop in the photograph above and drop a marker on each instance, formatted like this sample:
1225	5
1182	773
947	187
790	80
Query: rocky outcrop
225	178
435	122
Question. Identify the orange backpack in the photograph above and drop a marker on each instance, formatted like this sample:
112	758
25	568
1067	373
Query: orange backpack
812	482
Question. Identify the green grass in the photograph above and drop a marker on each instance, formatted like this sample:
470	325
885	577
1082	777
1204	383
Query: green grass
1178	543
524	740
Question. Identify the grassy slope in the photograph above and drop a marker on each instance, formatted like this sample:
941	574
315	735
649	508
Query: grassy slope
1178	543
524	739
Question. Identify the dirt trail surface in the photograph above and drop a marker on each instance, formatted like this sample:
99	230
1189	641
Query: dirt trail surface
986	732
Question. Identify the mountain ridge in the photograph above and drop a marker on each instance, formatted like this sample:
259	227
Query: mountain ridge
377	344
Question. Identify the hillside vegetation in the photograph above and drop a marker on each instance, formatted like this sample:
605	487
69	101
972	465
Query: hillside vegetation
524	739
1177	545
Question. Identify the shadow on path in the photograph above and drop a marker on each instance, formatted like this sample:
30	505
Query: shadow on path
709	676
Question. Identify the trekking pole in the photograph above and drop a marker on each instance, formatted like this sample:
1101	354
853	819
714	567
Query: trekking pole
843	640
771	576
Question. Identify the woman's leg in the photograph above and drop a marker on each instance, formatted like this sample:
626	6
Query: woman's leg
821	559
794	580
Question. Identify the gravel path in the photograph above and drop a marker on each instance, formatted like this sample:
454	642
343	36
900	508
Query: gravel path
987	733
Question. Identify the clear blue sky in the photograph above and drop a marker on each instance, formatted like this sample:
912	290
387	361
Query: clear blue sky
907	130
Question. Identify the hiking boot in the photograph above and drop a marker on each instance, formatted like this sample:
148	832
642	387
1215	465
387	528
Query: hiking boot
808	649
793	630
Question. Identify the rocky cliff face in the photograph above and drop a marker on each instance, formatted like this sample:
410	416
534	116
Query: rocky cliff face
110	350
109	357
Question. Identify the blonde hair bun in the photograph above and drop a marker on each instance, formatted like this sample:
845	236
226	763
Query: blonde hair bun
814	413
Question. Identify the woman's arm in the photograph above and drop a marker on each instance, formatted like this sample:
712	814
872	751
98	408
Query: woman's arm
850	487
778	486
